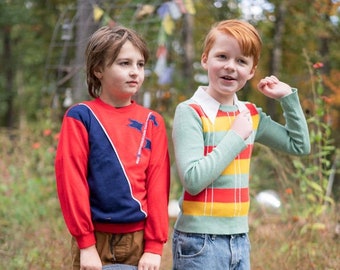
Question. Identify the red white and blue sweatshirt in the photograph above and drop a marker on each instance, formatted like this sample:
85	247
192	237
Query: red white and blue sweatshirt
112	172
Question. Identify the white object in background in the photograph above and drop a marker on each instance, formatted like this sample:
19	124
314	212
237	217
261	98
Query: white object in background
173	208
68	98
268	199
147	99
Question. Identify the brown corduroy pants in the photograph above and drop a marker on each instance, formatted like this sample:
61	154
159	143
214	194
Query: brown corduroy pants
114	248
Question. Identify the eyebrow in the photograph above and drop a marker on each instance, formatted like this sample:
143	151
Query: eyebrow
127	59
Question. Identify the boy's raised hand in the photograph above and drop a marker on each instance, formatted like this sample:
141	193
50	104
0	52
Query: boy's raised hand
272	87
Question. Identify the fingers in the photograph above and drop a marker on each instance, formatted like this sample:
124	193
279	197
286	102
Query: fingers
245	114
273	79
149	261
268	81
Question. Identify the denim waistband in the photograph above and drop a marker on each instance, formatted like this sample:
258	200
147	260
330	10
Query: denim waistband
212	235
119	267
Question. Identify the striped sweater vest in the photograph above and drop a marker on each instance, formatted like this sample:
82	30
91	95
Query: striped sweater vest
231	198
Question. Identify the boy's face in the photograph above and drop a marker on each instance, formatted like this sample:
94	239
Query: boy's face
121	80
228	69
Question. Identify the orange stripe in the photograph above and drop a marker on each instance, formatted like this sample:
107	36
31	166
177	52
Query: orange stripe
215	209
224	114
219	195
246	153
208	149
251	108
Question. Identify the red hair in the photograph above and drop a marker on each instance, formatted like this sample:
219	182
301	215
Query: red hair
247	36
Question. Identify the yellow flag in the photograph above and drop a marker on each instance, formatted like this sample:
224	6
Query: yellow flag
168	24
190	6
97	13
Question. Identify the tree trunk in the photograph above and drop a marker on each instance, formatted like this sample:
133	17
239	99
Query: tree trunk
8	67
189	53
276	61
85	26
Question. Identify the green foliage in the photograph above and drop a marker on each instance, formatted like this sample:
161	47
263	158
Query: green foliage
28	200
32	24
308	207
305	180
309	210
313	172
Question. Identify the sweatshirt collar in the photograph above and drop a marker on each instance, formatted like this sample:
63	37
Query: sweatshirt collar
209	105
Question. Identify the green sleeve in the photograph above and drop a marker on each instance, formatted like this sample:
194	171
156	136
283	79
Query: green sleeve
197	171
291	138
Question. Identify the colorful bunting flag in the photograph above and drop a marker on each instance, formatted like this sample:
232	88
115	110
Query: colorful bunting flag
174	10
97	13
189	5
162	10
161	65
144	11
181	6
166	76
168	24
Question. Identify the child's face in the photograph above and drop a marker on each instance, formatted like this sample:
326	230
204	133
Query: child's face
121	80
228	69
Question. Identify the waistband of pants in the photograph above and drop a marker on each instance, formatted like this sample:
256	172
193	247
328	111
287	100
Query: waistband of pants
213	235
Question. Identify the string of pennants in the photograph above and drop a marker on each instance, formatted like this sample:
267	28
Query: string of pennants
168	13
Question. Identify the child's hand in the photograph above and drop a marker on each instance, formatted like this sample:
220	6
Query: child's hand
242	124
89	259
273	88
149	261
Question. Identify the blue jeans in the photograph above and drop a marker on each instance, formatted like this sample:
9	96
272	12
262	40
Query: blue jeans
193	251
119	267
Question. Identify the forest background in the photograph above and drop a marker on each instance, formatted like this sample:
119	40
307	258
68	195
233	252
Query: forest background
42	74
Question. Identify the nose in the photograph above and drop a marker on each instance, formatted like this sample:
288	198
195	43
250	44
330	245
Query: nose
230	65
133	71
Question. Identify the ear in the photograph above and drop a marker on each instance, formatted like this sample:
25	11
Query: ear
98	73
252	73
204	59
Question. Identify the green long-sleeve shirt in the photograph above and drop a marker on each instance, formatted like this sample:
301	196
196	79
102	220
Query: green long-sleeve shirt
213	161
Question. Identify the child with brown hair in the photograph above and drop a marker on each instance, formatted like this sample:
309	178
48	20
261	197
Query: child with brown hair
112	163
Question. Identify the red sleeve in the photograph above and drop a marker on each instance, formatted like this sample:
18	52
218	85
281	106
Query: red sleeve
71	176
158	184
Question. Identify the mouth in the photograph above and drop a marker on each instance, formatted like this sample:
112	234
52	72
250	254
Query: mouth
228	78
132	83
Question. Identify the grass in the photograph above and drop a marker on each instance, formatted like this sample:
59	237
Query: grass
33	234
280	244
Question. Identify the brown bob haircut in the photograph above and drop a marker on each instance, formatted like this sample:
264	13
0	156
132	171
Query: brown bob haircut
103	48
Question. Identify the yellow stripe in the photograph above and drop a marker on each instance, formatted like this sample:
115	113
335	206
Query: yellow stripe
215	209
222	123
256	119
240	166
